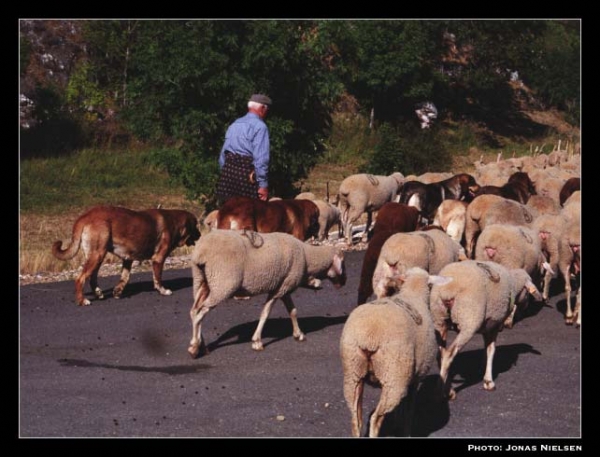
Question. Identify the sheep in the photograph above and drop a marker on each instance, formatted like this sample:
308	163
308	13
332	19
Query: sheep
490	209
361	193
210	221
329	214
540	204
451	216
229	262
519	187
512	246
479	299
572	207
430	250
306	196
570	186
427	197
390	341
429	177
570	263
392	218
550	229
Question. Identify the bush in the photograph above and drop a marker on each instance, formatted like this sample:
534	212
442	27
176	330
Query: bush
409	150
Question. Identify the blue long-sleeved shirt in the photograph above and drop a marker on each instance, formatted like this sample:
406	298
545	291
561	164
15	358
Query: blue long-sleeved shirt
249	136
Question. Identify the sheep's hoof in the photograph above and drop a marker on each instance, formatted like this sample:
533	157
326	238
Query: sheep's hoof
569	320
451	394
194	350
258	346
300	337
85	302
164	291
117	292
99	293
489	385
508	324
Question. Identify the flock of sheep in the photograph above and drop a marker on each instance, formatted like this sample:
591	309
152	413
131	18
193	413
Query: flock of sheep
456	252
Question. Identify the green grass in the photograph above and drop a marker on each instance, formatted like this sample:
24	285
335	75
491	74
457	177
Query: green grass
89	177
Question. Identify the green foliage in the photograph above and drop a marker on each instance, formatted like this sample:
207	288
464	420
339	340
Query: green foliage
554	67
408	150
351	141
188	170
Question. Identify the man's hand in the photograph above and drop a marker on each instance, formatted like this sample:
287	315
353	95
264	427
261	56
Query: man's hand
263	193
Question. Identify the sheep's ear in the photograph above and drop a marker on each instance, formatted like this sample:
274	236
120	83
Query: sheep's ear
439	280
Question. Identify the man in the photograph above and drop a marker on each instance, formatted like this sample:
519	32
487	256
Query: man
244	158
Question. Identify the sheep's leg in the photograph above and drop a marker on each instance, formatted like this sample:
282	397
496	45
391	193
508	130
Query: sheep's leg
447	356
578	308
569	318
365	235
354	399
547	280
289	305
489	340
354	374
391	395
197	313
510	319
264	315
125	273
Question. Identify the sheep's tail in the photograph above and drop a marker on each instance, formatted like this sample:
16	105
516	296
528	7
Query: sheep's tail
494	277
73	249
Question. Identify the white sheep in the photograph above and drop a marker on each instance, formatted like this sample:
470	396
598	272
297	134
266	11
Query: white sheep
479	299
572	207
390	341
550	228
512	246
569	263
210	221
329	215
430	250
230	262
492	209
361	193
540	204
451	216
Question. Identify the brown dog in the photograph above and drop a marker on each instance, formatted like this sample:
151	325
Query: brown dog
130	235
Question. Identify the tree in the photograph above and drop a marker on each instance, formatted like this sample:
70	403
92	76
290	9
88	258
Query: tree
187	80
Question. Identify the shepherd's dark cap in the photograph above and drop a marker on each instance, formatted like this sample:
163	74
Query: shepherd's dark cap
260	98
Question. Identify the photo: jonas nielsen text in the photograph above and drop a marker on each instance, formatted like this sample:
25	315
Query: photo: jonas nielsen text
524	447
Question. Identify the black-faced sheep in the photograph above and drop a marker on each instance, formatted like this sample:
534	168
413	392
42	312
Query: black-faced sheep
229	262
390	342
362	193
479	299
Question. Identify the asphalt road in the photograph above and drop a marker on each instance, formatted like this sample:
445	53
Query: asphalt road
120	368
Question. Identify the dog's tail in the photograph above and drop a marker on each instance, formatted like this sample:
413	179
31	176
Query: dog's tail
73	249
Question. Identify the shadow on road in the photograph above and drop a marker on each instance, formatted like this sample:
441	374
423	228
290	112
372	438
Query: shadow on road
134	288
431	412
274	329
